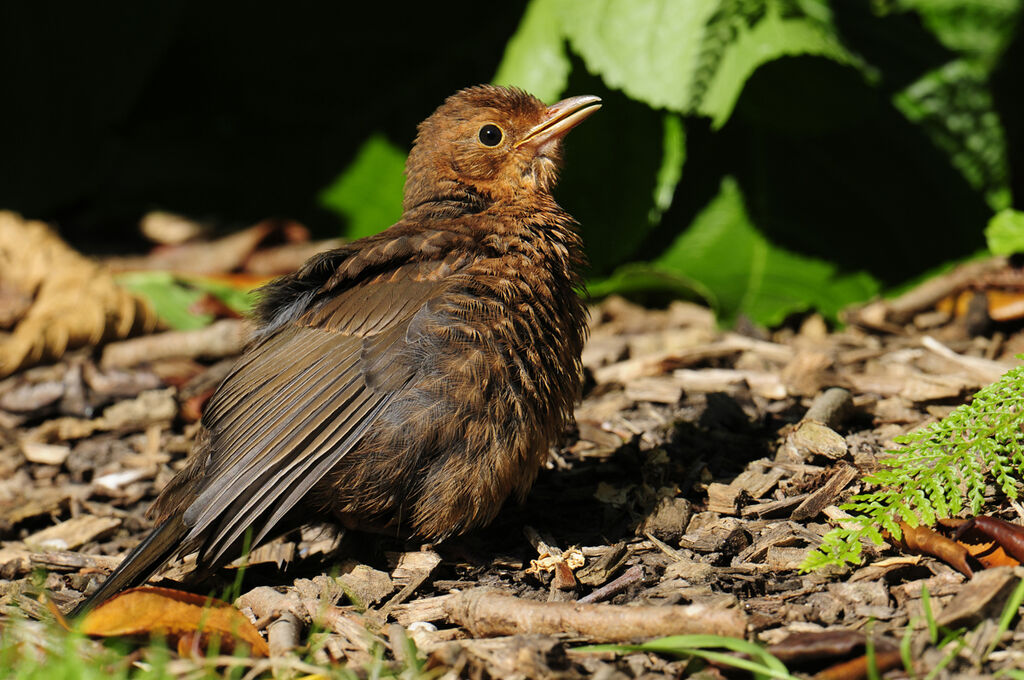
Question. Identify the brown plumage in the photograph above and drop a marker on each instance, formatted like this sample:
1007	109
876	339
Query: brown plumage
409	381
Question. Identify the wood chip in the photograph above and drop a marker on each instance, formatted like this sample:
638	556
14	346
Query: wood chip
668	520
61	560
761	383
811	438
226	337
779	508
660	390
364	585
985	370
72	533
824	496
831	407
807	373
920	388
598	572
423	609
45	454
756	483
980	598
410	566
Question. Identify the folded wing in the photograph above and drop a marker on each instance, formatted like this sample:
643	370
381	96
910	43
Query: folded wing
300	401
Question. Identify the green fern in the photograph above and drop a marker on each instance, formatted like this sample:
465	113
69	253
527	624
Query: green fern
937	470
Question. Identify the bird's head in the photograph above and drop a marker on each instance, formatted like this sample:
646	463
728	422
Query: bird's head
501	143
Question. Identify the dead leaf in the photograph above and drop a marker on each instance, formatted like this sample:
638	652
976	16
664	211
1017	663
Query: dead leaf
1005	547
826	644
928	541
76	302
858	668
174	614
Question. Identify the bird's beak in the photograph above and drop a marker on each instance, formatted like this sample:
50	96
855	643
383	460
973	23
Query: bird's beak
560	118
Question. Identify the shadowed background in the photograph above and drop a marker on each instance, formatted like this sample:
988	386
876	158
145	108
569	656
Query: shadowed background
230	113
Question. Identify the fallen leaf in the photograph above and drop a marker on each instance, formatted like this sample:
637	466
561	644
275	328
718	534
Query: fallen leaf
75	300
1005	544
176	615
930	542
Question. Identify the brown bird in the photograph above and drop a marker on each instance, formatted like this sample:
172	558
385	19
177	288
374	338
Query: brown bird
410	381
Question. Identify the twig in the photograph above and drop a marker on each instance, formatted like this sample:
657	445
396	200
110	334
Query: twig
487	613
631	576
831	407
220	339
986	370
283	634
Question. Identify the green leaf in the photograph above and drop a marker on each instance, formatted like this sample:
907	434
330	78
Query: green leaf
239	300
647	48
770	38
978	29
737	270
954	106
368	194
535	58
171	299
1005	232
693	56
173	296
638	277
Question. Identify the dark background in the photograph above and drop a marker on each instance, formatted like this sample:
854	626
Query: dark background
231	113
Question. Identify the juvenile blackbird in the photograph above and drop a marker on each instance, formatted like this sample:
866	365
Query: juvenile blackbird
410	381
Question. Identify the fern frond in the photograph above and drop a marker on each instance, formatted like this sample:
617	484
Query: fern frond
935	470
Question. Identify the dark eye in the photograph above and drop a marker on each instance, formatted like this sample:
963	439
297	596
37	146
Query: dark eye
490	135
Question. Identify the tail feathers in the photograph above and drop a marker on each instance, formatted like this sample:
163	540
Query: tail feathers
147	557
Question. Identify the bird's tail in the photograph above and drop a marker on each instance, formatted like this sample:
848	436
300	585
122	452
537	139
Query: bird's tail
141	562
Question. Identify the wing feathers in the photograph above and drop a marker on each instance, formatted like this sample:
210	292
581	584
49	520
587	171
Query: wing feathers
301	399
275	417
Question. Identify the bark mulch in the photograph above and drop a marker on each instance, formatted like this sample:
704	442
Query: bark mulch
704	466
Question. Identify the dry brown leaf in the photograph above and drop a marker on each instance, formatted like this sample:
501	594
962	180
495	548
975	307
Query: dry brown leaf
930	542
856	669
176	615
75	302
992	541
826	644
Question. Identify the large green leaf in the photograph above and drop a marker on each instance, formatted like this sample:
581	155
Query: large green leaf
368	194
535	58
723	258
694	56
772	37
647	48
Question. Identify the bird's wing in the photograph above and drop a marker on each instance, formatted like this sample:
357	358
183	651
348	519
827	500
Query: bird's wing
300	400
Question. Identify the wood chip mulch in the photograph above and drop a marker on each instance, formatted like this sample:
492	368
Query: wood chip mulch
704	466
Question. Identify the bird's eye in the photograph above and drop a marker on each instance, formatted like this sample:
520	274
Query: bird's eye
490	135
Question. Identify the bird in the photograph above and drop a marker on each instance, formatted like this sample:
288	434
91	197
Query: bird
407	382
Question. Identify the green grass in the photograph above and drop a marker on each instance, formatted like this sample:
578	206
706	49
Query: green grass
37	650
31	650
